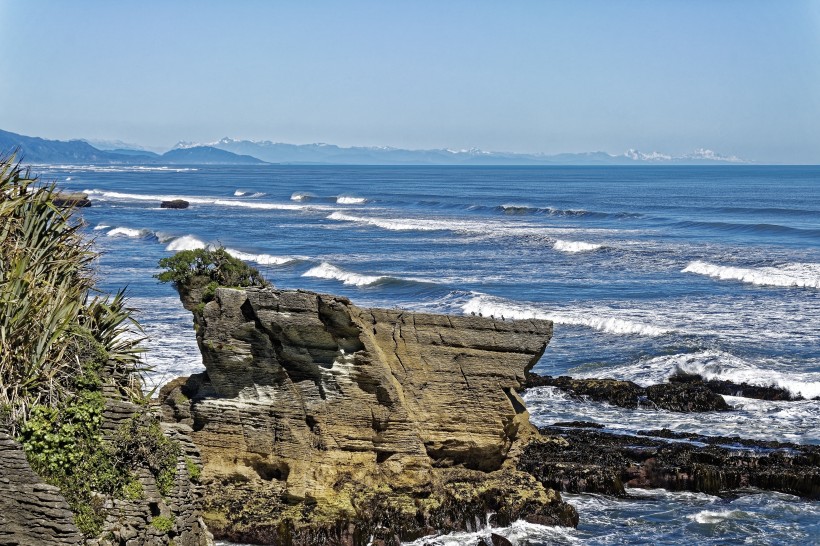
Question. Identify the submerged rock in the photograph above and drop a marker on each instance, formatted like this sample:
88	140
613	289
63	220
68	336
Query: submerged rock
319	421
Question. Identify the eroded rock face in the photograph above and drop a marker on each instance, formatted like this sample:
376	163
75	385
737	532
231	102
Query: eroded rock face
317	418
31	511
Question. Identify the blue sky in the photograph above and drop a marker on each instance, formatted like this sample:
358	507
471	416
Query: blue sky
739	77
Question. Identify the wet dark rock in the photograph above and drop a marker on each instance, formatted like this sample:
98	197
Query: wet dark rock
75	199
498	540
577	424
729	388
174	204
682	397
599	462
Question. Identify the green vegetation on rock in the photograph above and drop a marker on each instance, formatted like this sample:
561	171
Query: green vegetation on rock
216	264
163	523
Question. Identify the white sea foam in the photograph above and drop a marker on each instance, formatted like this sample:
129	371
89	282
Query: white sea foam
574	246
346	200
717	516
602	320
243	193
713	364
801	275
127	232
330	271
469	227
112	168
300	196
186	242
100	194
262	259
519	532
397	224
101	227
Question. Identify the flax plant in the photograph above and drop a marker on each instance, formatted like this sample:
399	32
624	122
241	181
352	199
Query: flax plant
45	308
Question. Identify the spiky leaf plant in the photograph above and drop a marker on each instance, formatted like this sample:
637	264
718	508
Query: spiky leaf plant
46	313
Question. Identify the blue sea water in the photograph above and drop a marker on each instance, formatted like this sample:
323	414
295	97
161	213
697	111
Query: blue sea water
645	271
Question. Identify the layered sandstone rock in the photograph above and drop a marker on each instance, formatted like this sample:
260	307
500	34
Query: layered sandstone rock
319	420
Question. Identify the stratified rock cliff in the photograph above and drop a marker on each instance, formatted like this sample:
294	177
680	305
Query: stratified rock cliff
318	420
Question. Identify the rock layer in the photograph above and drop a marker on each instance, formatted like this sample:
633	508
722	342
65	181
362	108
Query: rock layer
317	418
31	511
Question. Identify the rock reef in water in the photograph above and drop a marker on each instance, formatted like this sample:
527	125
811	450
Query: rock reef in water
591	461
322	422
72	199
174	204
679	396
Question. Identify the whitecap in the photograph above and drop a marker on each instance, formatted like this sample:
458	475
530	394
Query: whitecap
300	196
497	307
800	275
186	242
347	200
574	246
243	193
127	232
329	271
101	227
262	259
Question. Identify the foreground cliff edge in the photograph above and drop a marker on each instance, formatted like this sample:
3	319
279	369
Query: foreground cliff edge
322	422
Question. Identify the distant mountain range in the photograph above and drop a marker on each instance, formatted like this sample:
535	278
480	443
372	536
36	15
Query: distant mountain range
228	151
77	152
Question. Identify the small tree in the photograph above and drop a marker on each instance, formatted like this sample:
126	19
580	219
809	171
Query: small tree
215	264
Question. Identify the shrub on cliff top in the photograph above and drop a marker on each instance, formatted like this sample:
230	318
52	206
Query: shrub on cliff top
215	264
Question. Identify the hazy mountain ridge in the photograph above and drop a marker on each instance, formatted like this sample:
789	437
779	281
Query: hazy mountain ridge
228	151
279	152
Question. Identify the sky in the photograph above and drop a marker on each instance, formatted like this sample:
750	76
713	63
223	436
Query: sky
739	77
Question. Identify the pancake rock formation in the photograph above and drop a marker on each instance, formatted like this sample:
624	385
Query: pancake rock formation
322	422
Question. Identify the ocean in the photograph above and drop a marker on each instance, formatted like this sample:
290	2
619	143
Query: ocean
644	270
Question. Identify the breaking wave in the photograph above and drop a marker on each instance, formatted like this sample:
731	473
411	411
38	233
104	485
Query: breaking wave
491	306
347	200
799	275
574	246
330	271
252	194
262	259
186	242
129	232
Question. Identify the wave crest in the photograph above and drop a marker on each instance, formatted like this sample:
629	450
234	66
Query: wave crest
262	259
347	200
574	246
330	271
797	275
186	242
497	307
